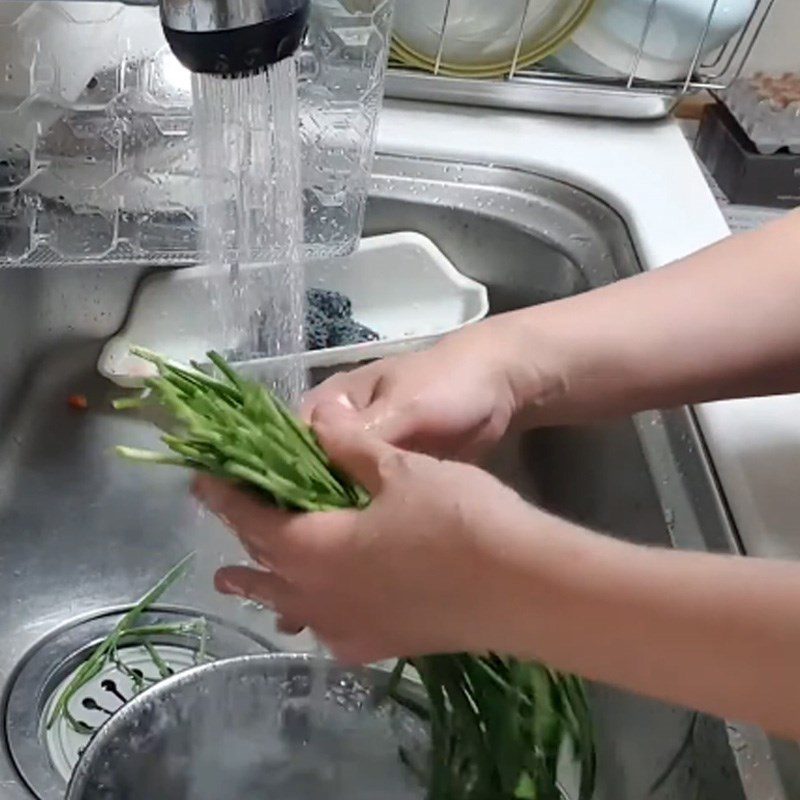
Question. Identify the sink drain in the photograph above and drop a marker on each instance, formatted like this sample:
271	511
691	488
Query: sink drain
105	694
46	755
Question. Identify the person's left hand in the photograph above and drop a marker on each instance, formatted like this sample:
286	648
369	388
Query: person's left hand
424	569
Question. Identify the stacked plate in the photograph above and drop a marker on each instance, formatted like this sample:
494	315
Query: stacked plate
476	39
659	40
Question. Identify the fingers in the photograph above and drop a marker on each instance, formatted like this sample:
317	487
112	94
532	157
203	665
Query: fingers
382	417
367	396
352	391
274	593
266	588
391	422
290	626
243	513
361	455
235	507
275	539
314	399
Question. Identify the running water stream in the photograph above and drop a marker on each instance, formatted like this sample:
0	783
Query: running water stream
249	148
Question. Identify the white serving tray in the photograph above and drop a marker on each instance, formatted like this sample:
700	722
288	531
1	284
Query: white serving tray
401	286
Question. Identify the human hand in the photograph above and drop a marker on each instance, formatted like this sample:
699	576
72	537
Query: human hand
424	569
453	401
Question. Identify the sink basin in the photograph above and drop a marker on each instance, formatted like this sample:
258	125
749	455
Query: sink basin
83	534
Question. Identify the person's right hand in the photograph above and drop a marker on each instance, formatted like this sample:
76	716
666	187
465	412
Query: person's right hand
452	401
434	564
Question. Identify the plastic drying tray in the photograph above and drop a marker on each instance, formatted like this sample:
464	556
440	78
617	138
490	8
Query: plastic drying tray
401	286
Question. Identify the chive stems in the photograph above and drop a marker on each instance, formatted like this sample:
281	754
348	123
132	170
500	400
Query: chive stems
498	726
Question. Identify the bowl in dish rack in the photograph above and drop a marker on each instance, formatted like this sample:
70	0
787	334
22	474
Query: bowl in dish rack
607	42
481	39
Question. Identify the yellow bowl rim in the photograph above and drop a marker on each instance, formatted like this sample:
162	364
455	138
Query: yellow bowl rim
411	57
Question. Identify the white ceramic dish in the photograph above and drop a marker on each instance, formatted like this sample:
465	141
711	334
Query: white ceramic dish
613	30
570	58
479	34
401	285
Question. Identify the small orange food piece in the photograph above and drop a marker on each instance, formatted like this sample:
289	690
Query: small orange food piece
78	402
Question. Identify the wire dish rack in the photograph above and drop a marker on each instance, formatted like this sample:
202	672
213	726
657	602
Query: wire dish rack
541	87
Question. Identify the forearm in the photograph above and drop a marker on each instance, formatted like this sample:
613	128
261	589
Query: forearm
723	323
719	634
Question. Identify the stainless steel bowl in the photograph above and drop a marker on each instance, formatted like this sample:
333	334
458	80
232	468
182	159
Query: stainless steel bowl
256	726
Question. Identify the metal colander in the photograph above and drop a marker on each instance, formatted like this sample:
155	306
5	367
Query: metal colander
277	727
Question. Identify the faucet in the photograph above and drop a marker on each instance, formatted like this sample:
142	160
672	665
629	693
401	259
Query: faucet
233	38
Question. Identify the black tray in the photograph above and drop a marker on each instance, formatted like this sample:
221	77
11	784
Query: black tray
745	175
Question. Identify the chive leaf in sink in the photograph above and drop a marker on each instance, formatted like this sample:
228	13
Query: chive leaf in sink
128	632
498	726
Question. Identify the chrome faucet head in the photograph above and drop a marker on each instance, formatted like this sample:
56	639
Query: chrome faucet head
232	38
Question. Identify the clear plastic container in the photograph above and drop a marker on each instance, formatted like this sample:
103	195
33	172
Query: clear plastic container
342	74
97	158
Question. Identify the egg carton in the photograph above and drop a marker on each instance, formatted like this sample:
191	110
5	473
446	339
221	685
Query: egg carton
746	176
768	109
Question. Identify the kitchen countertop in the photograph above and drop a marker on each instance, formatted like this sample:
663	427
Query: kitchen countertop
755	443
648	172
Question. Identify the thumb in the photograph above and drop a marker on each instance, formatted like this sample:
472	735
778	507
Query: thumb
387	421
352	449
381	416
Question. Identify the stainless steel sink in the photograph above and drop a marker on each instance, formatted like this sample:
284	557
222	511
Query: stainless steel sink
82	534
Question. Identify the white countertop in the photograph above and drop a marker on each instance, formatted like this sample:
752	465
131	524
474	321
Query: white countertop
646	171
649	174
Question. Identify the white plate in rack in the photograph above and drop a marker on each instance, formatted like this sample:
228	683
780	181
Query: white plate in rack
401	286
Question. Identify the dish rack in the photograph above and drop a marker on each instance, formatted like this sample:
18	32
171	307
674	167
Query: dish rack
537	88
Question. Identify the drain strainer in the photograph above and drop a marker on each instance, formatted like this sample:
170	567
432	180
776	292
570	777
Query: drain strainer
105	694
46	755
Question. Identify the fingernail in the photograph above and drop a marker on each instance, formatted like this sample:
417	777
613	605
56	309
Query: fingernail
225	585
331	412
288	628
